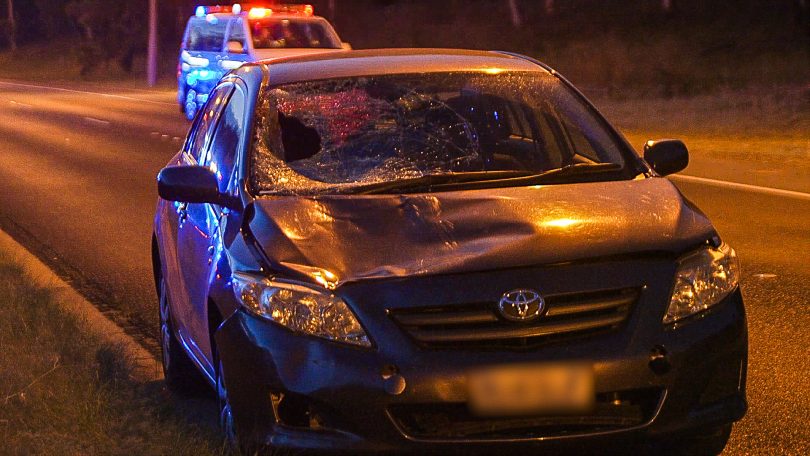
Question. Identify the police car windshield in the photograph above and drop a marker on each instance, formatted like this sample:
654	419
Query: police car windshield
275	33
344	135
206	34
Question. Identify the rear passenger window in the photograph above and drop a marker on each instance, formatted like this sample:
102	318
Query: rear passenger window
206	35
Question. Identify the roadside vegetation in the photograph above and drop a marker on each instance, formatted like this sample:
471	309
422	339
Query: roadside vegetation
766	127
62	392
624	48
627	48
60	61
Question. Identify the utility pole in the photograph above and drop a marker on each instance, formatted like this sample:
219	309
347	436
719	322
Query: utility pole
514	12
549	7
152	53
12	26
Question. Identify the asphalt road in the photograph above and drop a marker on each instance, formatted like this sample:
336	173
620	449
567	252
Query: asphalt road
77	187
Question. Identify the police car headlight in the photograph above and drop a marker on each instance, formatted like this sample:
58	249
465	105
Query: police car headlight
231	64
703	279
300	308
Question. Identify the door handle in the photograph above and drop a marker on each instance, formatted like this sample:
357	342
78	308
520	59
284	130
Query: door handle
211	251
182	212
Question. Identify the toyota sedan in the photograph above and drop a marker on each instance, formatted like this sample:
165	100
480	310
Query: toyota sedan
409	251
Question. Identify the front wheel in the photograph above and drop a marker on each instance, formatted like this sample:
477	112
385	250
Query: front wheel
226	423
191	107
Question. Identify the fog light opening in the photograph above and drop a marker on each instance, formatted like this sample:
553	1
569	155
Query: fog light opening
659	361
294	410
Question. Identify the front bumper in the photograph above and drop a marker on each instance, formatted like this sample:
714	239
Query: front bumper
341	398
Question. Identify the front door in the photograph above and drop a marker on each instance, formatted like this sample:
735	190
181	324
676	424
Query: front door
197	230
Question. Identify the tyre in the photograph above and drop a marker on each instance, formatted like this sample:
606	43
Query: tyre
226	423
181	375
190	109
182	95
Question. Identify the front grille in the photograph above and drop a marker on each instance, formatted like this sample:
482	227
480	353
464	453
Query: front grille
478	324
612	412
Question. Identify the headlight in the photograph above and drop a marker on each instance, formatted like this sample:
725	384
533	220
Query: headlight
703	279
300	308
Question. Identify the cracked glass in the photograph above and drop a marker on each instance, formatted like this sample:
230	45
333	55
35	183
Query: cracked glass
343	135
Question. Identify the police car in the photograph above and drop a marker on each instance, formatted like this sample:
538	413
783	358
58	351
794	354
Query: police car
221	38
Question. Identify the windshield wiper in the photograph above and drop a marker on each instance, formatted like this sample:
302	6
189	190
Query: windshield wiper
510	178
576	169
431	180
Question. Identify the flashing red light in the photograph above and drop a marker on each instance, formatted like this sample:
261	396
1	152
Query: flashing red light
256	13
309	10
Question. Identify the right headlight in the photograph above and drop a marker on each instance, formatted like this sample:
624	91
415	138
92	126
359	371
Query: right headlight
300	308
702	280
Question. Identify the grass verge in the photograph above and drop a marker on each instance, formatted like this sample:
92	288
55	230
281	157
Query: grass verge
64	392
59	62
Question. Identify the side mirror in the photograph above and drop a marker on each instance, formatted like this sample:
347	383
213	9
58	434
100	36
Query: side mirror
192	184
666	156
346	46
235	47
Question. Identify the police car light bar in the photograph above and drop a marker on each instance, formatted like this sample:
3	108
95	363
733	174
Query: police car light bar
255	12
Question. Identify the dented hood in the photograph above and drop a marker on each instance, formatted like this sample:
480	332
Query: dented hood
342	238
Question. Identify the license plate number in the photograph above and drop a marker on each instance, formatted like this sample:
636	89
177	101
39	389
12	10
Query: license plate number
528	390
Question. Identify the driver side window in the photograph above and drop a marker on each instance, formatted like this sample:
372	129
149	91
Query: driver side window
206	121
226	140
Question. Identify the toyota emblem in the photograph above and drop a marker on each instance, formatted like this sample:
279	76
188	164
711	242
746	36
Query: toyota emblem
521	305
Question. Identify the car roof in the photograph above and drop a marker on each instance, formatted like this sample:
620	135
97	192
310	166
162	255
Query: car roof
390	61
279	15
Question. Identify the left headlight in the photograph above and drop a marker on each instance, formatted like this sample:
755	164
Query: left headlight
703	279
300	308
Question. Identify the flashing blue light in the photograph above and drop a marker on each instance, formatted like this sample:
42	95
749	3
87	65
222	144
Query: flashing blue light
200	12
237	8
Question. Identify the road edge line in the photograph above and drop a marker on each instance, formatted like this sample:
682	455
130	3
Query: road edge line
146	368
744	187
83	92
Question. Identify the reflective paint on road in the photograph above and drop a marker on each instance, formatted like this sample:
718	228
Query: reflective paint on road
743	187
85	92
93	120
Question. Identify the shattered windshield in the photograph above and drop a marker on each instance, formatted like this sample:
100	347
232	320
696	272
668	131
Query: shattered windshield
342	135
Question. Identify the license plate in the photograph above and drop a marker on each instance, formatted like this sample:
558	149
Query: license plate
530	390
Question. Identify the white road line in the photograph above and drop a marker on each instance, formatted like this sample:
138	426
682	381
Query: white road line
24	105
85	92
744	187
93	120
